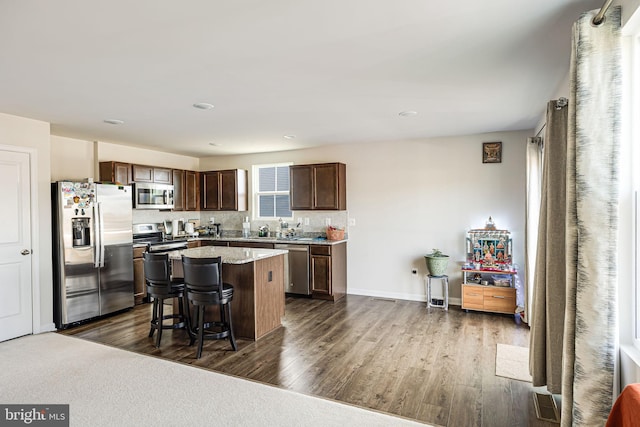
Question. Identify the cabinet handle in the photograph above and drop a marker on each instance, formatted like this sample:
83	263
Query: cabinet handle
498	296
474	295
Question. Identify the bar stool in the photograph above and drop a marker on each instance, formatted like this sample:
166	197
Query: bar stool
161	287
205	288
433	302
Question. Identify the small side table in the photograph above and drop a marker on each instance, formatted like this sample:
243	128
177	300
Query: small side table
438	303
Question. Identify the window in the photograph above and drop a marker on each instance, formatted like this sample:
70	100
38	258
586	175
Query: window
630	134
271	191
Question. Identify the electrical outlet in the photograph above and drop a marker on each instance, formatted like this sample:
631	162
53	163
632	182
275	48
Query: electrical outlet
352	222
306	221
414	271
327	221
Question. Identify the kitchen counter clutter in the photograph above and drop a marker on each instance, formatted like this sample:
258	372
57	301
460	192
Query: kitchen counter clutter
294	241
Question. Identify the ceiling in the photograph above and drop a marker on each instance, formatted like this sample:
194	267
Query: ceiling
323	71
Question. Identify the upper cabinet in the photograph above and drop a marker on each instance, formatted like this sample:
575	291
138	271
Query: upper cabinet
115	172
318	187
225	190
142	173
191	191
178	190
186	190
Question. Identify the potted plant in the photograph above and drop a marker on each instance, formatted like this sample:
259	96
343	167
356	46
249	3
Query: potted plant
437	263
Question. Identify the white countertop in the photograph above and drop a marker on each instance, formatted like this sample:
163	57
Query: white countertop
229	255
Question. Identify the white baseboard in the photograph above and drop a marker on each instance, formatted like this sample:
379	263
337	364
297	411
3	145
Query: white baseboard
630	365
49	327
397	295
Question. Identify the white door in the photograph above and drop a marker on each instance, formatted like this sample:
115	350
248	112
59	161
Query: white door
15	246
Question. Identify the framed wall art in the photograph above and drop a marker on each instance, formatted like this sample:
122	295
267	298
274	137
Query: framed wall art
492	152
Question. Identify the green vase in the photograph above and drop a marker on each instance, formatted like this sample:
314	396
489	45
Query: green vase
437	265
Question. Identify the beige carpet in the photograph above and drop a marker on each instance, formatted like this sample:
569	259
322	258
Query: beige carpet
512	362
106	386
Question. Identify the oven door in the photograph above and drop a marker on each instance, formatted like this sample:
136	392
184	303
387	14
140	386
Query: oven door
153	196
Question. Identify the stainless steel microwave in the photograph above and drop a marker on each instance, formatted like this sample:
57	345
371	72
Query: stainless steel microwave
152	196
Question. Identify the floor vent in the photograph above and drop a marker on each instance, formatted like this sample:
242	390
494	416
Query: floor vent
546	408
383	299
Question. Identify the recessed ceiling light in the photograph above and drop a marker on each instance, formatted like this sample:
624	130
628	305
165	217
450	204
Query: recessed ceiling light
407	113
203	105
113	121
289	137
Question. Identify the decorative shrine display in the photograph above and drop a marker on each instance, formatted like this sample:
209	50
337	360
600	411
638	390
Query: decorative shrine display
489	248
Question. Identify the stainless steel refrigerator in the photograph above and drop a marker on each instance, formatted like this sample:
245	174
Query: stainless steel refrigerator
92	250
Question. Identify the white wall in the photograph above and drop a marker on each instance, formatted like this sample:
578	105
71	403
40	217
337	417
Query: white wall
143	156
71	159
410	197
34	135
406	198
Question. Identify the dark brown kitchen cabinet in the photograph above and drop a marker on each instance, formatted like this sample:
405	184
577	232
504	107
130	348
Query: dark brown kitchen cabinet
213	243
257	245
186	190
139	284
225	190
318	187
191	191
178	190
142	173
117	172
328	271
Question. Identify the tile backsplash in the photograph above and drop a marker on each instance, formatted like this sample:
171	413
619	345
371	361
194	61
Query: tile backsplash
233	220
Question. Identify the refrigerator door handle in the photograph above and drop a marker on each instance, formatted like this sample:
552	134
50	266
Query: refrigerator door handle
96	237
101	235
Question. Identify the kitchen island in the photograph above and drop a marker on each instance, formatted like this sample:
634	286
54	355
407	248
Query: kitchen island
257	276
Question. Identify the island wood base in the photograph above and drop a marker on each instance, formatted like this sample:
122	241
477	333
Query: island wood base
258	295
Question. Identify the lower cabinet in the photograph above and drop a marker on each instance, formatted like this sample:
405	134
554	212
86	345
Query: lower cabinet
256	245
328	271
495	299
139	284
213	243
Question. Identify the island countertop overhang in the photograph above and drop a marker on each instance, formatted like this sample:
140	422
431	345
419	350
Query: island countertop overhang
229	255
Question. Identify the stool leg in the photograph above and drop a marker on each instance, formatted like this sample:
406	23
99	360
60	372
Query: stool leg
160	317
194	325
184	311
231	337
222	316
154	317
200	330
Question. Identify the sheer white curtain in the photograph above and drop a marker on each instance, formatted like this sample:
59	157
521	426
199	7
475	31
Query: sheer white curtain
533	196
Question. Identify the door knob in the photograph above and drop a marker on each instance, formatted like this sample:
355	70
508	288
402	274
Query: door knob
25	252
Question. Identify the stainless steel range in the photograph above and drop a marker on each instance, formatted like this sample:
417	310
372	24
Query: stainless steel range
150	235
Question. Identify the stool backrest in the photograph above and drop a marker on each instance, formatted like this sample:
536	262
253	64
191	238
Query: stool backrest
203	274
156	268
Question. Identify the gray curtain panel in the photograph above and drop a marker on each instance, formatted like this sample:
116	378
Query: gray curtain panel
592	221
547	326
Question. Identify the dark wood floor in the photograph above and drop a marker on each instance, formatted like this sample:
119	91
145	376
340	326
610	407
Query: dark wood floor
393	356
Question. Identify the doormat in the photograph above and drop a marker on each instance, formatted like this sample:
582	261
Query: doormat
512	362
